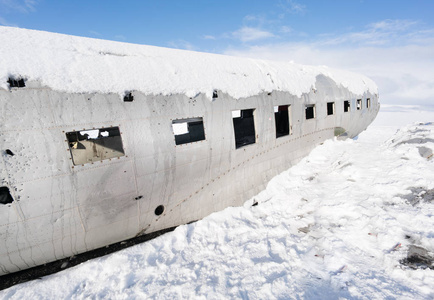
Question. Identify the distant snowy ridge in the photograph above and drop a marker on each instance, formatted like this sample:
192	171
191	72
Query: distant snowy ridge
84	65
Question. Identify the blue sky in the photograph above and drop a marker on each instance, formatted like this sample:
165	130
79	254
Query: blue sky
391	41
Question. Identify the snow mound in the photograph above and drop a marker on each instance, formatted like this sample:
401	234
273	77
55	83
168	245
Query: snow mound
337	225
76	64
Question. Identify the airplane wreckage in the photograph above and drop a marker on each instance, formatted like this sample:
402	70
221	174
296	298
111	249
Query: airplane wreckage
103	141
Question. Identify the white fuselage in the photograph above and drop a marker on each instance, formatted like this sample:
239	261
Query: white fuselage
73	193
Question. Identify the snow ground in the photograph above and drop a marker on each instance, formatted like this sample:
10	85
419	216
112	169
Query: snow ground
324	229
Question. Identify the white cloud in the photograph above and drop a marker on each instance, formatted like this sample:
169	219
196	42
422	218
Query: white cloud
4	22
182	44
120	37
285	29
18	5
257	21
209	37
7	6
248	34
397	54
250	18
95	33
30	4
392	25
384	33
292	6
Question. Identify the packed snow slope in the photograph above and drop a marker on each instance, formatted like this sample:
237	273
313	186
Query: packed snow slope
76	64
337	225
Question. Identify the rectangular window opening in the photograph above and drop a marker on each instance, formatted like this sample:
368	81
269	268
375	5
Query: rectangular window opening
346	106
188	130
310	111
368	102
88	146
281	118
359	104
244	127
330	108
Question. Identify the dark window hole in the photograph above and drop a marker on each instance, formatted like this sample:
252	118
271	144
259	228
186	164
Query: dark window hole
214	94
5	195
310	112
281	119
244	127
330	108
128	97
16	82
346	106
159	210
9	152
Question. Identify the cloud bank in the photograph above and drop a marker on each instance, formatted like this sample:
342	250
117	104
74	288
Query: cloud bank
397	54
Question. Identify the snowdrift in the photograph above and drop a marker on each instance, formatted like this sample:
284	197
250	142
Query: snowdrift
84	65
339	224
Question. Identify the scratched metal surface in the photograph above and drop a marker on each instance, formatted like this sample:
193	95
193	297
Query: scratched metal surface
61	209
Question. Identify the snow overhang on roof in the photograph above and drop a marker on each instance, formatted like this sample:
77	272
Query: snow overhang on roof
84	65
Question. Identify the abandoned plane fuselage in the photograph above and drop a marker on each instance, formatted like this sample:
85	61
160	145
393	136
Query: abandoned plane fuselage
81	170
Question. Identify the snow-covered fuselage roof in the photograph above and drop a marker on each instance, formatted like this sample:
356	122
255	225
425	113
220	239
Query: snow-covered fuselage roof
84	65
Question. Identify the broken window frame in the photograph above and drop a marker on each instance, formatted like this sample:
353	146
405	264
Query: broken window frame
282	120
93	145
347	106
330	108
195	131
310	111
244	127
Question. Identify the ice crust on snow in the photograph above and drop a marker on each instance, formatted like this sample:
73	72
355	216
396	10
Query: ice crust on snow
336	225
84	65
